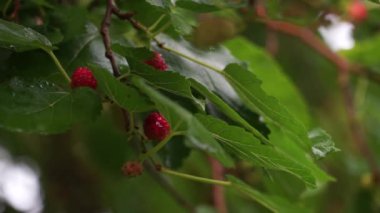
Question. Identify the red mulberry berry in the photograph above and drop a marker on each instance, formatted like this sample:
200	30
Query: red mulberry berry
357	11
83	77
157	62
156	127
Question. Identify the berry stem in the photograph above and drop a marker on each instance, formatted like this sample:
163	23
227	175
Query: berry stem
59	65
123	75
195	178
162	29
155	24
159	146
131	123
361	95
155	149
192	59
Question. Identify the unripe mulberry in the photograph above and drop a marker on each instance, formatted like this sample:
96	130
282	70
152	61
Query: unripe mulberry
132	168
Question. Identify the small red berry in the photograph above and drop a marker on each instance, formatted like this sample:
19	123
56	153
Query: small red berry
132	168
156	127
357	11
157	62
83	77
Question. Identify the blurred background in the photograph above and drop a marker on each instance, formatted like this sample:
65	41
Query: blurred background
79	171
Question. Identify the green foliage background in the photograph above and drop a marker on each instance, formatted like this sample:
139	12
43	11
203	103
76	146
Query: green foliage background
276	122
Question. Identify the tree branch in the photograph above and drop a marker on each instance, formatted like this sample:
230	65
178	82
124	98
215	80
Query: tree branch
217	190
136	24
106	23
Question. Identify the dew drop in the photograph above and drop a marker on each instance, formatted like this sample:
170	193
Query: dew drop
28	33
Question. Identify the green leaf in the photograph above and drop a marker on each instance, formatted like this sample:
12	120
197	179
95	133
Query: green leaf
43	3
271	75
176	152
247	147
183	20
200	6
35	64
183	121
285	185
375	1
121	94
19	38
205	209
160	3
169	81
365	52
227	110
152	11
285	142
106	144
272	202
43	107
71	25
218	57
249	89
322	143
86	49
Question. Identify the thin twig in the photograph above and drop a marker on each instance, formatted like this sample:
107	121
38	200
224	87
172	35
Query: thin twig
357	130
106	23
136	24
168	187
195	178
